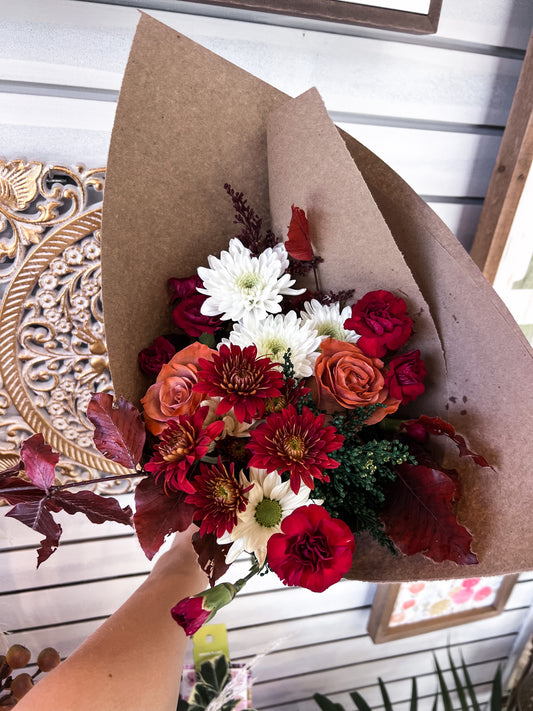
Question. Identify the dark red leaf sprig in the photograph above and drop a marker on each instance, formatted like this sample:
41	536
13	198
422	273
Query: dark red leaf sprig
419	515
251	234
35	501
438	427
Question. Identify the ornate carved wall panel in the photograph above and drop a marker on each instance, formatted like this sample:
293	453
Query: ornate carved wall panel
52	342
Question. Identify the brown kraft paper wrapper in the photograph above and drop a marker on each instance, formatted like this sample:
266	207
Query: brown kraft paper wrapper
187	122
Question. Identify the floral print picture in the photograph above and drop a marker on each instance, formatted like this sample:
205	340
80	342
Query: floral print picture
423	600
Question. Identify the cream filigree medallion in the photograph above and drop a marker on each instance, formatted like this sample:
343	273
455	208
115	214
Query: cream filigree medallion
52	342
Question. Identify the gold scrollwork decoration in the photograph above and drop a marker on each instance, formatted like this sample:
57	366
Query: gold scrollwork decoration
52	342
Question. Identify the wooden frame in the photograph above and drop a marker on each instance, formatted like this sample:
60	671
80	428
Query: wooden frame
346	11
381	630
513	164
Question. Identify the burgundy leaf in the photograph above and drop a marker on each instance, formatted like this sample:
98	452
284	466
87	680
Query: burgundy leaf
39	461
119	430
298	244
418	515
35	515
98	509
158	515
15	490
211	555
15	469
436	426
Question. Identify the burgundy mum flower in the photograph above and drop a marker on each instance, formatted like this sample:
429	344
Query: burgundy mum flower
314	550
218	498
182	442
242	380
299	444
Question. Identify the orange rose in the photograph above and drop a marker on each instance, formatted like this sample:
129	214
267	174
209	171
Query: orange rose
172	395
346	378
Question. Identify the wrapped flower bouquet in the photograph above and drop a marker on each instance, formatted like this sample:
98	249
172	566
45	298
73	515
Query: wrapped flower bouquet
327	382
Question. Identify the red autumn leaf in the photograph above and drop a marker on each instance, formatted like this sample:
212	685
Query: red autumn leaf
39	461
15	469
98	509
158	515
211	555
438	427
119	430
15	490
419	518
298	244
35	515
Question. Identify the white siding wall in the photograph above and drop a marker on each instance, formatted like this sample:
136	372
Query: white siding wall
434	108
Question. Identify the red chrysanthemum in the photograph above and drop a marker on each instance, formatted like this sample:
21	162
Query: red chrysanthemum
242	380
314	550
218	498
182	442
299	444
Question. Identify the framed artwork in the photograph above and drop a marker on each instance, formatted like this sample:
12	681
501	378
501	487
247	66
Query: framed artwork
415	16
407	609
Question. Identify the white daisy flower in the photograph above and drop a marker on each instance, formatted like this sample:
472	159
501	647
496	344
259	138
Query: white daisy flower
269	502
328	320
238	283
274	335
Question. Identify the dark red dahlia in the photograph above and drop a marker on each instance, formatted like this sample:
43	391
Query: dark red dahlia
182	442
218	498
314	550
299	444
242	380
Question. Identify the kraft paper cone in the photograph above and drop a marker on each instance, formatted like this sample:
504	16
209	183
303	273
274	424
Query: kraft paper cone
187	122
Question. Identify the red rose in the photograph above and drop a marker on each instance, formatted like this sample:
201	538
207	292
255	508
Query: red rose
187	316
153	358
381	319
405	375
314	550
184	287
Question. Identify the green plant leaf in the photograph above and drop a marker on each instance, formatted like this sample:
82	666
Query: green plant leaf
327	705
414	696
470	686
385	694
444	689
359	701
496	693
458	684
214	673
434	707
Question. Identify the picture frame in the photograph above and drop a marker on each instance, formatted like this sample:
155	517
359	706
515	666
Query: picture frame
407	609
395	15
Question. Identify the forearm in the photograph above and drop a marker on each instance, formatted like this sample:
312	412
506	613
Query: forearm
134	660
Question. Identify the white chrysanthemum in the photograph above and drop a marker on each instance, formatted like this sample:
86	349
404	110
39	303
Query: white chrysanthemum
273	337
269	501
238	283
328	320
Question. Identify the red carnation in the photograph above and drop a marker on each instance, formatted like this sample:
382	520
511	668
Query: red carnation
381	319
405	375
295	443
182	442
218	498
153	358
314	550
242	380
